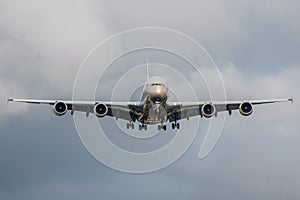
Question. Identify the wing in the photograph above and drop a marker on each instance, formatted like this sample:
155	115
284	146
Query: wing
185	110
124	110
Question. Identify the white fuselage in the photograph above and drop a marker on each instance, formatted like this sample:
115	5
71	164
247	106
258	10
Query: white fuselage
155	95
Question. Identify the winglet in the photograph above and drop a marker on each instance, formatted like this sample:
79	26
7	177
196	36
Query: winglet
10	99
291	100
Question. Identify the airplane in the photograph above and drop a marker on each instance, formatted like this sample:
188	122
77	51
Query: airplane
154	107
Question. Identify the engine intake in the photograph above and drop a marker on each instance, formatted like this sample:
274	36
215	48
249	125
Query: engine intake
60	108
246	108
100	110
208	110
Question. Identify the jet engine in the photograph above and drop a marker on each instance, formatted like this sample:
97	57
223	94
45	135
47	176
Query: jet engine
246	108
60	108
100	110
208	110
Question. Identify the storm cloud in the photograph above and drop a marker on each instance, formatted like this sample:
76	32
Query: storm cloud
256	47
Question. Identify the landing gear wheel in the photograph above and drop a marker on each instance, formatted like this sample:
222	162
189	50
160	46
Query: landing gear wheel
130	125
159	127
164	127
173	125
143	127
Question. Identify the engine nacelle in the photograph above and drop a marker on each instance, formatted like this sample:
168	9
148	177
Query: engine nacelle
208	110
246	108
60	108
100	109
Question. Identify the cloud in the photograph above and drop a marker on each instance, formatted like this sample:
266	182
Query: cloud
6	89
256	45
282	84
42	46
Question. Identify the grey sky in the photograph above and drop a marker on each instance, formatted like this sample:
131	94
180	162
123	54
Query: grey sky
255	44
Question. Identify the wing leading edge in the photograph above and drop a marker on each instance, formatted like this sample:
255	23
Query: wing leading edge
131	111
185	110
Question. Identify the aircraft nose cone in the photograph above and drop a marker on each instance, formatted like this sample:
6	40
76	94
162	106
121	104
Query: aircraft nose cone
158	94
159	91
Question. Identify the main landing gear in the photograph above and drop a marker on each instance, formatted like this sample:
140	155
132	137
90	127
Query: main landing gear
164	127
175	125
130	125
160	126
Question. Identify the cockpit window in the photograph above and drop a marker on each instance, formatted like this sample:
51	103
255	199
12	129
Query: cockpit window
153	84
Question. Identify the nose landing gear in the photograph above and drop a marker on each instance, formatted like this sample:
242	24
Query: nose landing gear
143	126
